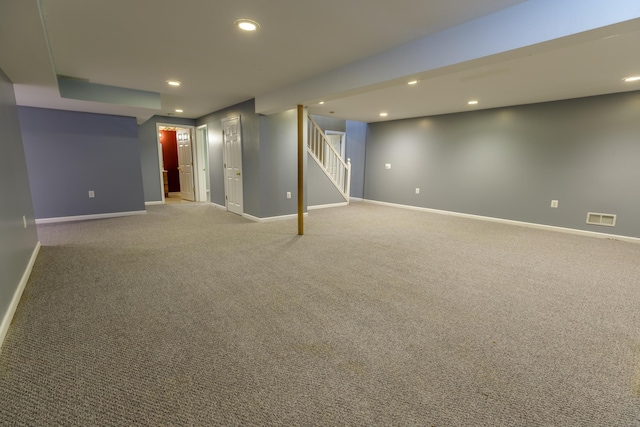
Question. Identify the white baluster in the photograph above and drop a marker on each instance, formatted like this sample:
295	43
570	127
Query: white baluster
348	190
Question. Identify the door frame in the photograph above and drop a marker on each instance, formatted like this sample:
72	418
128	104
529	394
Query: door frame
192	130
224	158
202	160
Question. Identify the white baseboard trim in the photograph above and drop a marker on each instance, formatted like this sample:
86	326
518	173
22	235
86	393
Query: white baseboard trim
330	205
156	202
272	218
8	316
88	217
219	206
512	222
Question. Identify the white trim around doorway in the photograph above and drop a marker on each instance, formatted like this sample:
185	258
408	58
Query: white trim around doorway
197	161
202	164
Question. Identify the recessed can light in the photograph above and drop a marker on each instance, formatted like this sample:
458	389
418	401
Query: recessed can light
631	79
247	25
384	114
321	102
413	82
179	110
474	102
173	83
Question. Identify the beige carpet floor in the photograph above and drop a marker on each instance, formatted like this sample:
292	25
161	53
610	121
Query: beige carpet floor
191	316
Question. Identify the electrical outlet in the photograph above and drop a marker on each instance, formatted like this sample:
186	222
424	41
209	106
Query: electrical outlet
24	221
92	194
387	165
288	194
417	191
554	203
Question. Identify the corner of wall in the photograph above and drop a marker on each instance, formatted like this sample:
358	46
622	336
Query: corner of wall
8	315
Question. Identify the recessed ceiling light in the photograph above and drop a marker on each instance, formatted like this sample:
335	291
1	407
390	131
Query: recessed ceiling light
413	82
173	83
474	102
247	25
179	110
321	102
384	114
631	79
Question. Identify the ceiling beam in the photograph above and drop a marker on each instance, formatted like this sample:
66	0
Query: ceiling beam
532	26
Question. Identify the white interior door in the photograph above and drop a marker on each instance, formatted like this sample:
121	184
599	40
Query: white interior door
337	141
185	164
233	164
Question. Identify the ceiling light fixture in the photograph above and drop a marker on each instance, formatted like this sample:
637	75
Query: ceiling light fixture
384	114
631	79
413	82
173	83
247	25
474	102
179	110
321	103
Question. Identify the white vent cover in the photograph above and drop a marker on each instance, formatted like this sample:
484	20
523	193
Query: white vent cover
601	219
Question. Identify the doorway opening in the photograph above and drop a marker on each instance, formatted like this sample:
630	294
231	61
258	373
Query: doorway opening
181	164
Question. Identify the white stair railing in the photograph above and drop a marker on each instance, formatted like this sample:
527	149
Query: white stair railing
323	152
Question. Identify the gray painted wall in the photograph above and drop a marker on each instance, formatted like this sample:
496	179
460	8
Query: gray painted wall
511	162
16	242
320	189
279	164
149	160
69	153
330	123
269	159
250	124
355	150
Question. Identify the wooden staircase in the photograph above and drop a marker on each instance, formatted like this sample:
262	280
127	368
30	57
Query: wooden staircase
329	160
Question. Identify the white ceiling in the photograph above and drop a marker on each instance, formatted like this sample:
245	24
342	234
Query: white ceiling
583	69
143	43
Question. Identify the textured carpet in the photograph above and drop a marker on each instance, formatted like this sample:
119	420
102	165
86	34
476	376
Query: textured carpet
191	316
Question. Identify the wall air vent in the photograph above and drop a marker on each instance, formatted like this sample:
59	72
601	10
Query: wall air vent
601	219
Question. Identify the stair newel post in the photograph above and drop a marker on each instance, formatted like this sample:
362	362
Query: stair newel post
301	152
348	178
